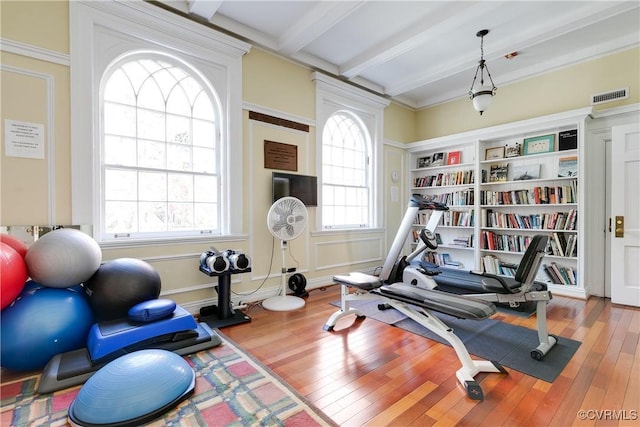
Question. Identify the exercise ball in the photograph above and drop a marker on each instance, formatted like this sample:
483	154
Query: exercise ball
41	323
63	258
13	274
20	246
120	284
133	389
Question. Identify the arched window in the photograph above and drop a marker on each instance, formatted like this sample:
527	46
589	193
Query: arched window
346	181
160	145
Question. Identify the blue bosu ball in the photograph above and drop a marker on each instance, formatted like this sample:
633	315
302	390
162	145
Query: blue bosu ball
133	389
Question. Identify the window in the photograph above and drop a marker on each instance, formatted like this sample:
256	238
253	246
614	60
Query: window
345	172
155	143
160	150
349	126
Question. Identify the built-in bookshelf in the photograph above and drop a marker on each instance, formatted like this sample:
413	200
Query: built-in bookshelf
506	184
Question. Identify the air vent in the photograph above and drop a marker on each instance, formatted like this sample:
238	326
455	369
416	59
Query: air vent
601	98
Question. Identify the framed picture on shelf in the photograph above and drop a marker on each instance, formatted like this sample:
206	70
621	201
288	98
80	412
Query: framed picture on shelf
454	157
494	153
539	144
568	166
525	172
498	172
512	150
424	162
437	159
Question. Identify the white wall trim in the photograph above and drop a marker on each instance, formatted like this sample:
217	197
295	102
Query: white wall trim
51	136
34	52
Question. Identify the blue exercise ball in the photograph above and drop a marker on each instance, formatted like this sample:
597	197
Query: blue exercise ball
120	284
133	389
41	323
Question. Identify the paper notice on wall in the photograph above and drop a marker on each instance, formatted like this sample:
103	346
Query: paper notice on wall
23	139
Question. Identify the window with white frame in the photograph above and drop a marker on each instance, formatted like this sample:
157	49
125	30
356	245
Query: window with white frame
160	146
154	145
349	134
346	172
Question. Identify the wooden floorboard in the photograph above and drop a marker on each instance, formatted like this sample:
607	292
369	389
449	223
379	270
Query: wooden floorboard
367	373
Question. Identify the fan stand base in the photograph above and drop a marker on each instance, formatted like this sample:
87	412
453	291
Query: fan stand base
283	303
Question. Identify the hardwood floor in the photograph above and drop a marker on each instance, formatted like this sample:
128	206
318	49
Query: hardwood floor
367	373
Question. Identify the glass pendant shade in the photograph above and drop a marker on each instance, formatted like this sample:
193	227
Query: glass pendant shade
481	97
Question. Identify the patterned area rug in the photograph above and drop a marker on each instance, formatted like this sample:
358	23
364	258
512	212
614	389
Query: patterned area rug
232	389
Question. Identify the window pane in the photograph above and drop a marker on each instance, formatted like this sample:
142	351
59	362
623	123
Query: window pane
165	81
119	119
205	188
180	216
120	185
119	90
204	134
178	103
204	160
178	157
180	188
206	216
119	151
136	74
153	186
120	217
153	216
178	129
152	154
202	107
150	97
151	125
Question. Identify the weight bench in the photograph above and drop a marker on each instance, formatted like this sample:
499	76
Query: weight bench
405	298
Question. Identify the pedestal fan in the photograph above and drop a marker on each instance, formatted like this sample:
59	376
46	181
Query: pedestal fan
286	220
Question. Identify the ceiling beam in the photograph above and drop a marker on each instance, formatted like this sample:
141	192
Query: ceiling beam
320	19
204	8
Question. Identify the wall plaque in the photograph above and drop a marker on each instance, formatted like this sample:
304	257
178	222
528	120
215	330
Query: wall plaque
280	156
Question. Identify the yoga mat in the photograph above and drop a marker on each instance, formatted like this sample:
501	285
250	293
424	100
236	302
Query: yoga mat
509	345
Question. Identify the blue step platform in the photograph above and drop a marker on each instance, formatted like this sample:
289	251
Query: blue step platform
107	341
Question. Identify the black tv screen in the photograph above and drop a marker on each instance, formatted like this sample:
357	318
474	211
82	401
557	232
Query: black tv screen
303	187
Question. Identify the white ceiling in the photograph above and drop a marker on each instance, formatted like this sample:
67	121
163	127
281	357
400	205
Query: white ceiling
423	53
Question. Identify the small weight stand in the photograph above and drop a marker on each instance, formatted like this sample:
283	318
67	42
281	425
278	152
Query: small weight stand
223	314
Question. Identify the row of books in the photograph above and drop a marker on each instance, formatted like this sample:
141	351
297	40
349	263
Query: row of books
442	179
545	221
560	274
504	242
441	259
561	245
454	198
493	265
560	194
453	218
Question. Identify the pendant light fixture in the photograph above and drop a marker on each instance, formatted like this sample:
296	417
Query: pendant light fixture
480	93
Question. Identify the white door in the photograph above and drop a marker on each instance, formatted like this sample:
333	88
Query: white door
625	215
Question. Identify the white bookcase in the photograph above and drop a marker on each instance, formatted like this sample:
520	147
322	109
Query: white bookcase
511	182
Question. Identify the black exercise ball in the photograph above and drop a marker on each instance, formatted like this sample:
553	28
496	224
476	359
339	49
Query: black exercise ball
120	284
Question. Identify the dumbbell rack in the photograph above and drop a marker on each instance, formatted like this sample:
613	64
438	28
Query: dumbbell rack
223	314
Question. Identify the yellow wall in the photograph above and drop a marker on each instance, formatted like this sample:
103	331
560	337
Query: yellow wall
36	90
562	90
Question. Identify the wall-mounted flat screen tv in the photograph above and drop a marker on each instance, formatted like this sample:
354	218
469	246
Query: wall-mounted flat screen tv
303	187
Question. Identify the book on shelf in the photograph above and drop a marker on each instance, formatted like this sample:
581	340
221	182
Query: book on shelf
498	172
568	140
560	274
568	166
454	157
